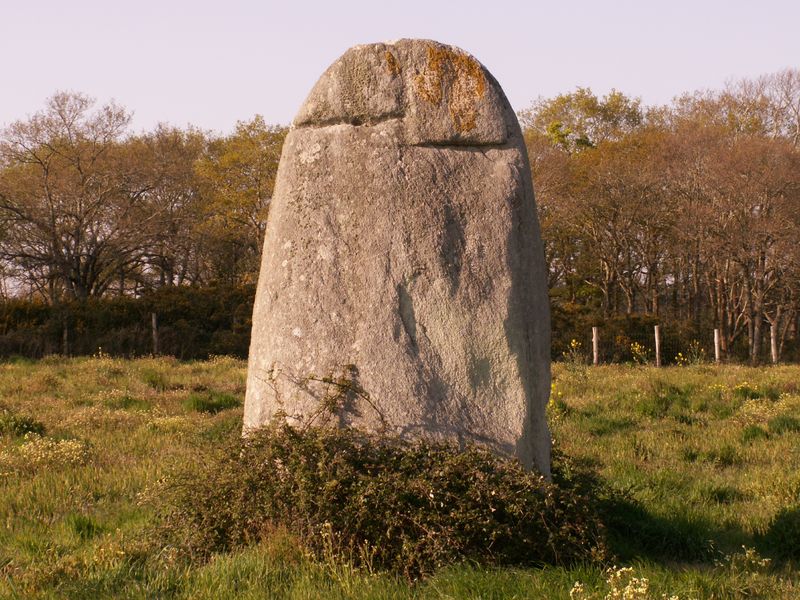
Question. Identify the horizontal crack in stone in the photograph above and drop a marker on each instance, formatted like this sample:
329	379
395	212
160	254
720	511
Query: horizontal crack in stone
353	121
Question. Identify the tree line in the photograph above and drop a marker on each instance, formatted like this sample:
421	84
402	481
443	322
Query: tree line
687	213
88	209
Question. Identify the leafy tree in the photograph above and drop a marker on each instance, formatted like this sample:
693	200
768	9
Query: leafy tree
687	211
68	199
175	253
582	120
237	174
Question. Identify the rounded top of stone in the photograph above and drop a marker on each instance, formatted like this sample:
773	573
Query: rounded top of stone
442	94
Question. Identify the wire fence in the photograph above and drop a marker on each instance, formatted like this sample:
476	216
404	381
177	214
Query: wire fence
663	345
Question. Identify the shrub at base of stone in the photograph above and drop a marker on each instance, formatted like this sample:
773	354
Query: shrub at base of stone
380	503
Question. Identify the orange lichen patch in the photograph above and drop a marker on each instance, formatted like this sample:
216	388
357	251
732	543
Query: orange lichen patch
457	77
428	84
391	64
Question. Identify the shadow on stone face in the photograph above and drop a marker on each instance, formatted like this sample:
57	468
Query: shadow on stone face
533	447
452	248
407	316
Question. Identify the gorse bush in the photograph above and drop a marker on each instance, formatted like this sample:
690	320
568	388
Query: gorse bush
126	402
211	402
748	391
380	503
784	424
662	398
156	379
12	424
752	433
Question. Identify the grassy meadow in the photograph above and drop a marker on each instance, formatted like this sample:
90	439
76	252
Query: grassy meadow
702	464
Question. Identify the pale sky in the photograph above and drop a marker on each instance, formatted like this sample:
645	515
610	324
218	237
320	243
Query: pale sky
210	64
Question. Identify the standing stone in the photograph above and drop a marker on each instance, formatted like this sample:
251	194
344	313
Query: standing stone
403	276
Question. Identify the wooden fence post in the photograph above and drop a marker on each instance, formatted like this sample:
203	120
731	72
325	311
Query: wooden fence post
595	346
773	342
716	346
658	346
154	325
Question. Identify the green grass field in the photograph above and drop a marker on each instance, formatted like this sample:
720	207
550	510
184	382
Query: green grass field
704	463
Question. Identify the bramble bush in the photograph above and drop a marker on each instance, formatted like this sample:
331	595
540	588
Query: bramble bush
379	503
